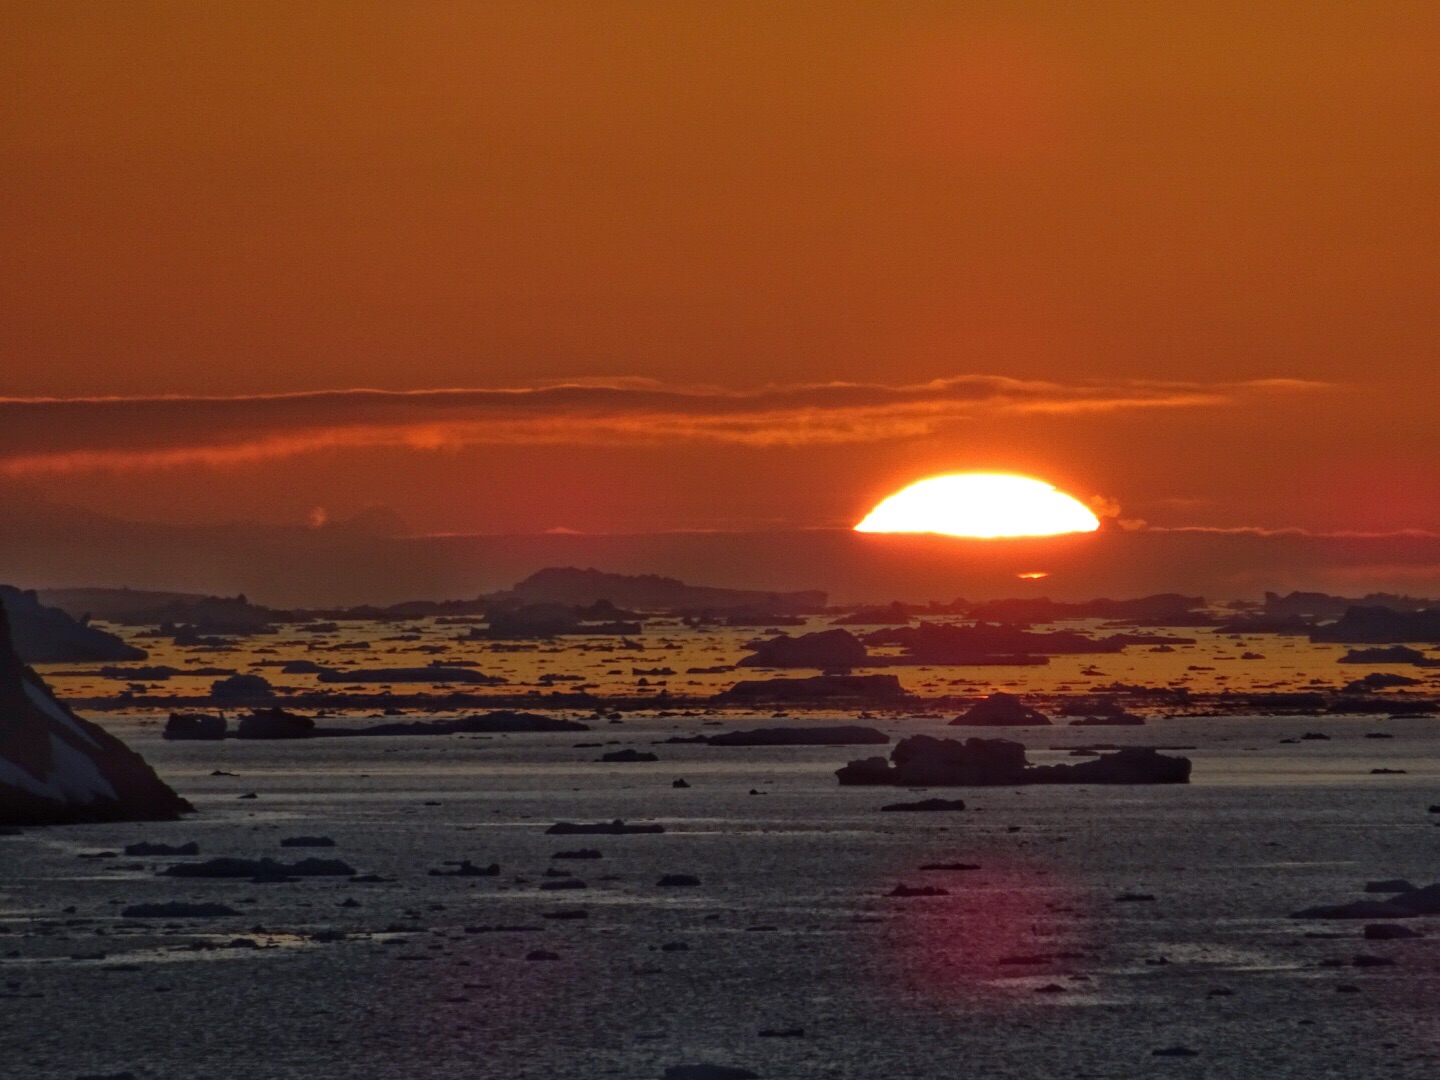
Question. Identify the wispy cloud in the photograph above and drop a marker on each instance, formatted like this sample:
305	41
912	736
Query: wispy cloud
47	435
1292	531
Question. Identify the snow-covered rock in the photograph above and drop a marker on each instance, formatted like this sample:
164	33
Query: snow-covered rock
56	768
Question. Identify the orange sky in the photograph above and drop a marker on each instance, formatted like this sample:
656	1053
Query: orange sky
1134	218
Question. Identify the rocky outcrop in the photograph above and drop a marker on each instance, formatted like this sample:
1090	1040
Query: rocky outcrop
925	761
283	724
242	688
895	614
747	618
906	891
1161	609
466	868
818	735
1128	765
648	592
1396	654
433	674
1285	703
872	688
629	754
47	635
177	909
155	672
1389	932
202	614
123	606
706	1071
300	667
1358	909
528	621
275	724
600	828
1389	885
1318	605
1381	626
983	643
1378	680
925	806
921	760
1120	719
1104	710
500	722
263	869
146	849
195	727
1406	904
604	611
1385	706
56	768
1289	625
822	649
1001	710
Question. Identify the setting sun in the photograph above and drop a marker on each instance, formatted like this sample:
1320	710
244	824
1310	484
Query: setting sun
984	505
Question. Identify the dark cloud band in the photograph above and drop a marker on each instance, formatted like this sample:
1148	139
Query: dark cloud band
39	435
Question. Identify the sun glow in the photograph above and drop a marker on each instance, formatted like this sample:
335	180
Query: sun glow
984	505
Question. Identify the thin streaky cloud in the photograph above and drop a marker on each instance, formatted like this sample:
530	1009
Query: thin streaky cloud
47	435
1295	531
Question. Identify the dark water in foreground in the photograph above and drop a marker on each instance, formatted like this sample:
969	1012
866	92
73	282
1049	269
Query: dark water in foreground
789	928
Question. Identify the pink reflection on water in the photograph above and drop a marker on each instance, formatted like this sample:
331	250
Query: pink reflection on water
484	988
1003	932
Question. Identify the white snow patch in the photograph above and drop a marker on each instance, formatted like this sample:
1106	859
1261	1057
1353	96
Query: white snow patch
76	776
53	712
16	777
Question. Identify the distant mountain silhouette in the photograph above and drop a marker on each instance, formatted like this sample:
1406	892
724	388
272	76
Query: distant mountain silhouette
46	635
1324	606
1161	609
1380	626
113	605
945	643
202	614
368	560
649	592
